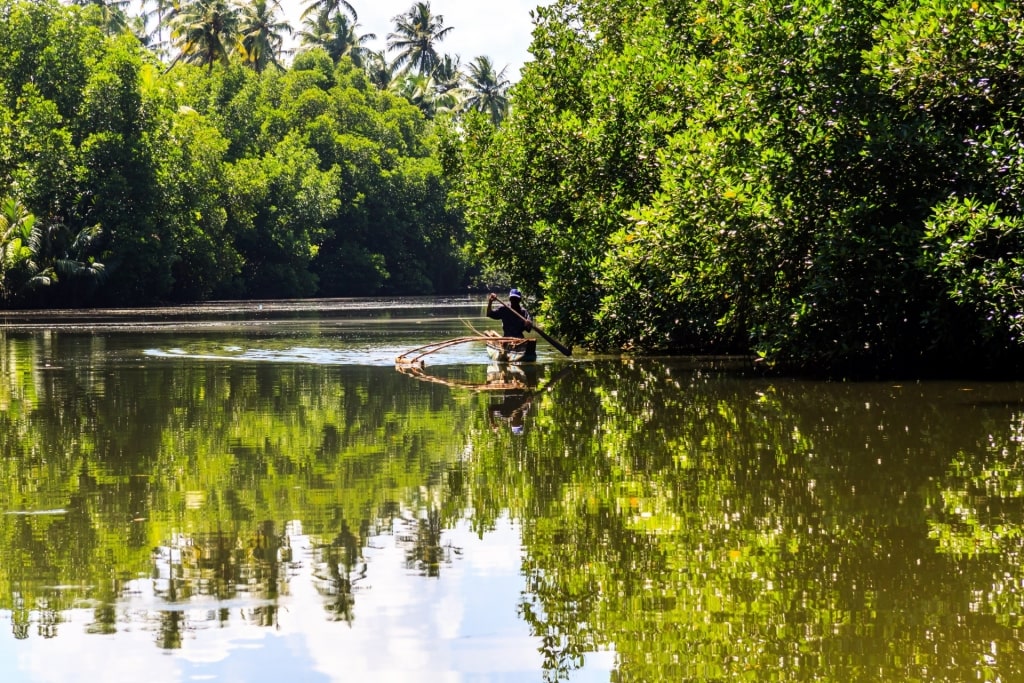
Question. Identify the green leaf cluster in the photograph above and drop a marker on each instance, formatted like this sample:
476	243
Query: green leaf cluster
212	180
795	180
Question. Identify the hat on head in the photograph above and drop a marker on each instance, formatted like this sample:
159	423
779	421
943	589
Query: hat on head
515	294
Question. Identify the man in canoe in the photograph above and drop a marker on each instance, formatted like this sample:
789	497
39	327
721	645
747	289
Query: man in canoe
514	318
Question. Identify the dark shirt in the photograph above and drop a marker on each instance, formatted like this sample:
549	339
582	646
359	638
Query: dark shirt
511	324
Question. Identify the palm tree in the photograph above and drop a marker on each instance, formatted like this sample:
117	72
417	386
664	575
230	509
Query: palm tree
329	6
113	18
17	260
261	32
156	12
34	255
336	33
486	90
137	27
422	91
378	69
447	74
66	255
416	33
205	31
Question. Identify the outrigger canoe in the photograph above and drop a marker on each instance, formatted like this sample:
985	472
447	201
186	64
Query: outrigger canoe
499	349
512	350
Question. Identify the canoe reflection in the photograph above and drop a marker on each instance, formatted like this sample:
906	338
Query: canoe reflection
510	410
512	389
500	377
510	406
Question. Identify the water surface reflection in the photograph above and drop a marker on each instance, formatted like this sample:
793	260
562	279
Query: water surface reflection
279	501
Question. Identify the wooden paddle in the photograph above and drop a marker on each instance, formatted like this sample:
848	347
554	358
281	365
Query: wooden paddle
553	342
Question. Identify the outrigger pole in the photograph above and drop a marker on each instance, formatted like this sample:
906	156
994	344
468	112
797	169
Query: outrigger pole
566	351
415	356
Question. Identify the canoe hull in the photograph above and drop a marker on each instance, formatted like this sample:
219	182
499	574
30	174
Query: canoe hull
506	350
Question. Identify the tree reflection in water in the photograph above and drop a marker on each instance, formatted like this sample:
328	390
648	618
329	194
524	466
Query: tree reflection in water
699	523
338	567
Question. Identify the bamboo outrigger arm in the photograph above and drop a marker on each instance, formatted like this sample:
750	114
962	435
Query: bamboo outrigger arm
415	356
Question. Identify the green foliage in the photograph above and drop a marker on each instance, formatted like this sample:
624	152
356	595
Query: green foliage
975	253
35	255
761	176
200	180
48	48
17	264
545	195
117	162
277	205
958	62
44	153
193	175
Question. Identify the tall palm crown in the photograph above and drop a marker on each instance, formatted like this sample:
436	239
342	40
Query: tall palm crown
205	31
487	90
448	74
262	34
112	13
314	7
416	33
380	71
337	33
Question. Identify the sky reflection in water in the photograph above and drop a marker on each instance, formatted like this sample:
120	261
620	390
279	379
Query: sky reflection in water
254	498
408	628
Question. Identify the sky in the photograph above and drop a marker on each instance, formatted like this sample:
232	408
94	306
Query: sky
499	29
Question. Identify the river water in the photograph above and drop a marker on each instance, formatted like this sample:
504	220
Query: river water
254	492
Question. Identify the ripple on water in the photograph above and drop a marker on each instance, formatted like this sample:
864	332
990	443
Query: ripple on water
376	355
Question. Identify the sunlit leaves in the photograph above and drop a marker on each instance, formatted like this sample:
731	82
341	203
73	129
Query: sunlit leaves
974	251
758	176
278	206
194	174
956	61
117	154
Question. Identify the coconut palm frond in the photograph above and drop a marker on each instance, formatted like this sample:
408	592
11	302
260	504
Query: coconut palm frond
415	37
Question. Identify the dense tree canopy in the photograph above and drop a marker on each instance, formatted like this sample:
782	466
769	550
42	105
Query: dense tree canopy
220	172
829	184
